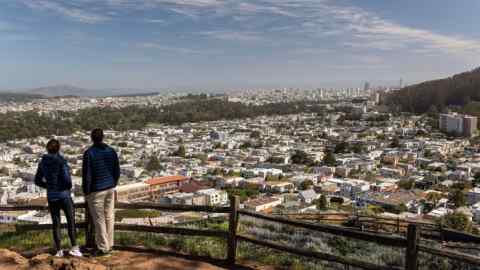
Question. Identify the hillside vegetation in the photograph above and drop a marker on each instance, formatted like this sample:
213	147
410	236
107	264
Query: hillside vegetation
459	90
16	125
18	97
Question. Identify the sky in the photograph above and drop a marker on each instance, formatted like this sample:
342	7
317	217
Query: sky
234	44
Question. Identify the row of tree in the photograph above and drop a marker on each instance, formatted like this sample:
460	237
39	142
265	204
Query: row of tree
16	125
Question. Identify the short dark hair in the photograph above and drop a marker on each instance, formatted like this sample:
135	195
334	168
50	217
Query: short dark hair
53	146
97	135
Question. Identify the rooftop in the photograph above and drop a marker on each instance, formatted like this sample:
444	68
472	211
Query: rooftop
166	179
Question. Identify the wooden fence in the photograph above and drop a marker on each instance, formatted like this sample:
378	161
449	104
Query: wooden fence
389	225
410	243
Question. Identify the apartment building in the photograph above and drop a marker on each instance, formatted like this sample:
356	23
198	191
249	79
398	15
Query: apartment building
459	124
160	186
150	190
132	192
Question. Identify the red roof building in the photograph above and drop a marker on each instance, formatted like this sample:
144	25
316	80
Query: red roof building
160	186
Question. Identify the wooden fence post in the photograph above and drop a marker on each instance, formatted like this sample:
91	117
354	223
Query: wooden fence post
398	225
232	229
89	228
411	257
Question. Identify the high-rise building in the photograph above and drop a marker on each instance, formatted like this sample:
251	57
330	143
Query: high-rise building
470	124
366	87
458	124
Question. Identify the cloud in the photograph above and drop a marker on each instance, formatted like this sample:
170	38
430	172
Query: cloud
72	12
363	29
245	36
310	51
195	3
250	8
160	21
161	47
352	27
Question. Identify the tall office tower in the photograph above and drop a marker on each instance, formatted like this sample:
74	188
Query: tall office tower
401	83
366	87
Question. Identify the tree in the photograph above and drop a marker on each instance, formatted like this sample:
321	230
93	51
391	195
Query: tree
395	143
406	184
329	159
457	221
402	208
300	157
358	148
457	197
307	184
341	147
4	170
181	152
338	200
246	145
153	164
434	197
255	134
123	144
476	180
277	160
219	145
322	203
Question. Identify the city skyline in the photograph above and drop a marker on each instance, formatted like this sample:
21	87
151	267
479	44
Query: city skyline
155	44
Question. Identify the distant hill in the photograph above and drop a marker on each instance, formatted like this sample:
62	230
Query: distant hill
458	90
138	94
61	90
18	97
69	91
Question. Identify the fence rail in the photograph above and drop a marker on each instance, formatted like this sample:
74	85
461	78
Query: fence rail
410	243
388	240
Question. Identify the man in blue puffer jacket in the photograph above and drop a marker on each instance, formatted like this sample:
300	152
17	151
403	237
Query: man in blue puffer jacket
101	171
54	174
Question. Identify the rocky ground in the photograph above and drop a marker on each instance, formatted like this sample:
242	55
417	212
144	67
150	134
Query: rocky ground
120	260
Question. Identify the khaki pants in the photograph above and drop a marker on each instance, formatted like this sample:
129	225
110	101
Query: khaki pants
101	205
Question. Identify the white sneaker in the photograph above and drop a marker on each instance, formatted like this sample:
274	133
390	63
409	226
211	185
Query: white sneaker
75	251
59	253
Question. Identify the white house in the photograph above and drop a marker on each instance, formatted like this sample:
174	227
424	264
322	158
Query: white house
308	196
214	196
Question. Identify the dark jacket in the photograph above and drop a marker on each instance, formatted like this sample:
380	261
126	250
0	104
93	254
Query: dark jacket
58	182
101	168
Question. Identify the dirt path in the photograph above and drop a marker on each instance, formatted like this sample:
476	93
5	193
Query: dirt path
120	260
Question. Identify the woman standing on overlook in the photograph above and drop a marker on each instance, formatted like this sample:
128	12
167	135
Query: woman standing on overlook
54	174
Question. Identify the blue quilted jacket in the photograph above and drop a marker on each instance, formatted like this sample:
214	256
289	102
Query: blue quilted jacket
101	169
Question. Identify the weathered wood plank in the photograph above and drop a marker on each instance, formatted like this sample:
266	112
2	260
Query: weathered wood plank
171	230
466	258
315	255
388	240
32	207
119	205
232	230
174	208
411	255
42	227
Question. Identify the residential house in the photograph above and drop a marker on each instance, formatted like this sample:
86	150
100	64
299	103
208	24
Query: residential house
308	196
263	204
